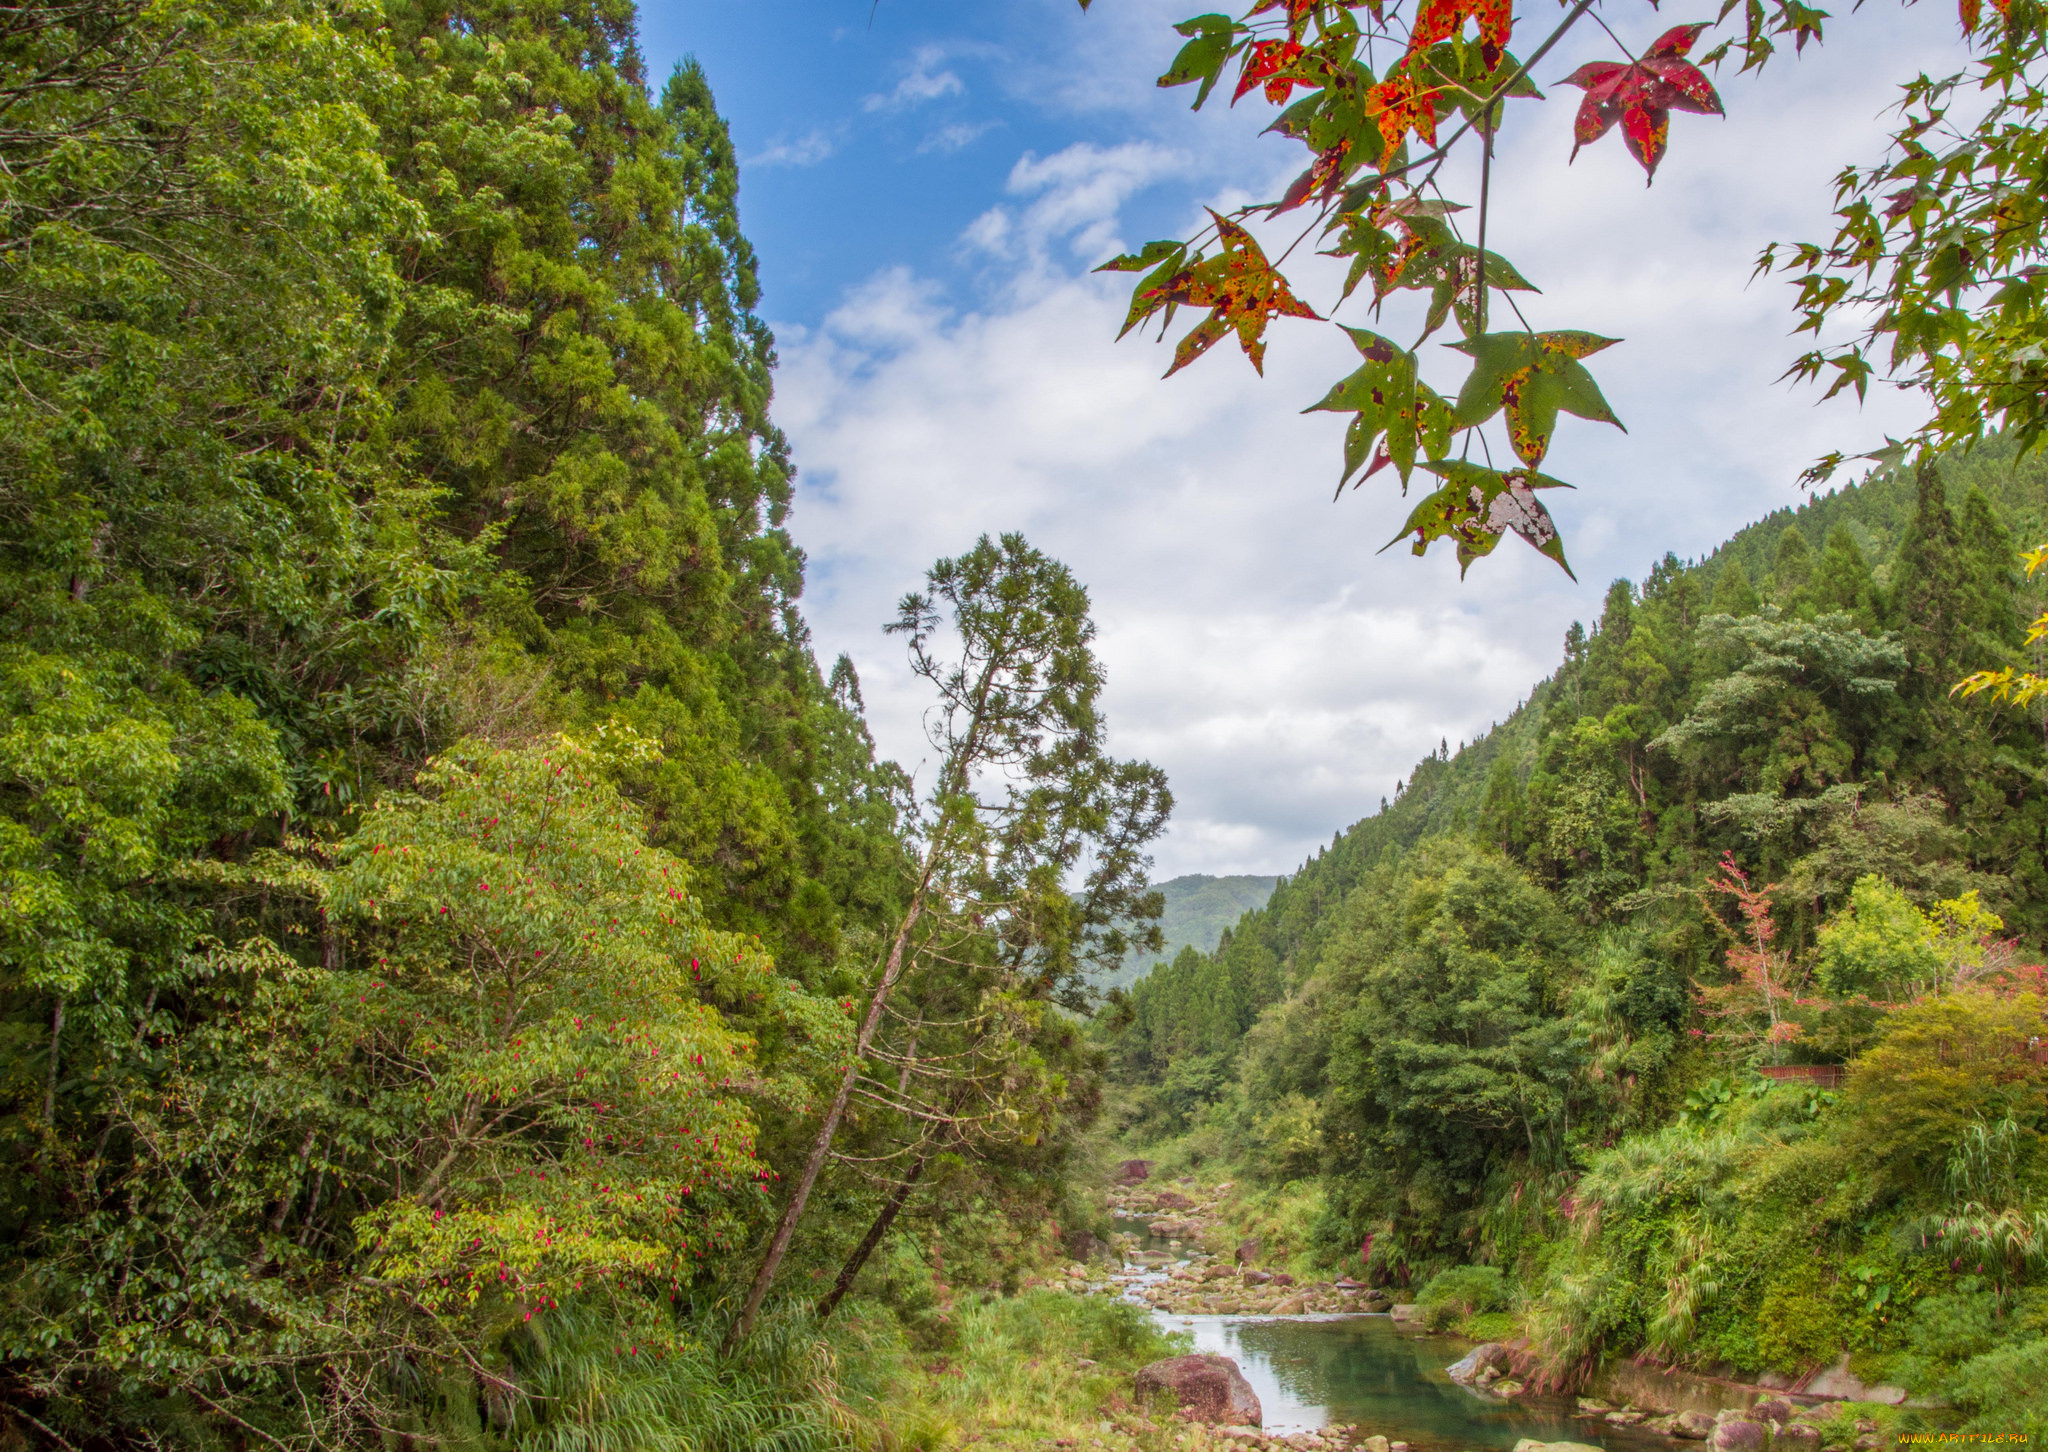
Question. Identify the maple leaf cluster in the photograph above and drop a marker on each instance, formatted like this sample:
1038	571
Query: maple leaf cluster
1376	141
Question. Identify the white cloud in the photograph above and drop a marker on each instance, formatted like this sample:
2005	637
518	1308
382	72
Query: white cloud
956	136
1076	195
923	81
808	149
1284	673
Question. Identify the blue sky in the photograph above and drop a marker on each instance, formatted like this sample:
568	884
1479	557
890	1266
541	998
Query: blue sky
928	193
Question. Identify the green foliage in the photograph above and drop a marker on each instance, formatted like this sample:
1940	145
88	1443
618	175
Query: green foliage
1880	945
1460	1293
1940	1067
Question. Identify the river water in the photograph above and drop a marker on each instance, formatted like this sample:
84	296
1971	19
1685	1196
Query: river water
1315	1371
1370	1372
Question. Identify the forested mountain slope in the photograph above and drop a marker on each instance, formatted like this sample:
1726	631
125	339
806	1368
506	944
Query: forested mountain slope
1517	1017
1197	910
435	873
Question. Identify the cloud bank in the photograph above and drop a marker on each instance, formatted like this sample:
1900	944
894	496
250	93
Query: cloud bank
1283	672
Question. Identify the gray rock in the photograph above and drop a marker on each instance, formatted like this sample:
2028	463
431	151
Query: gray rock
1491	1356
1402	1312
1838	1383
1248	1251
1740	1437
1624	1419
1693	1426
1375	1443
1801	1435
1207	1389
1772	1409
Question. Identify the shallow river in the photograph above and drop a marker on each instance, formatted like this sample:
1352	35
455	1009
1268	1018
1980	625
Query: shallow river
1313	1371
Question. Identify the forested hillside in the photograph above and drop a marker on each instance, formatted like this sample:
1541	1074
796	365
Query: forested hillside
437	881
1195	912
1517	1017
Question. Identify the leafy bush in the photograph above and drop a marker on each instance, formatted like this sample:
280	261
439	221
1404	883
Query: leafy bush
1941	1066
1466	1290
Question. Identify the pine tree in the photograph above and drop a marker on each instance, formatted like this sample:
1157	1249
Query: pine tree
1993	592
1843	582
1930	585
1733	594
1792	567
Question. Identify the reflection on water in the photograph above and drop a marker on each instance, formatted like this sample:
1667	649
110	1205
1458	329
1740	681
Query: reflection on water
1312	1371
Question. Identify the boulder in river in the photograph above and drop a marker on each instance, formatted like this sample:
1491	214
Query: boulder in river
1207	1388
1172	1200
1491	1356
1404	1313
1693	1426
1740	1436
1772	1409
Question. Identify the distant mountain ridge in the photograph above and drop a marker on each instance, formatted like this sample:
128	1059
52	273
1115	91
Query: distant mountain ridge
1198	910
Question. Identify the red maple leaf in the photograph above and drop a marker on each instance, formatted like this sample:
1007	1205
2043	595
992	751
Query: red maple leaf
1441	19
1242	291
1642	96
1972	10
1325	175
1298	12
1261	62
1400	108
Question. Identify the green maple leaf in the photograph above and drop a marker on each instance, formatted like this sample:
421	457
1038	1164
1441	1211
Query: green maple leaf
1533	376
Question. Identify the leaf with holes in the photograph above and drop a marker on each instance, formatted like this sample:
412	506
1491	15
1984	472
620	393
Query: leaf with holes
1642	96
1463	78
1429	257
1532	376
1160	261
1240	288
1443	19
1265	64
1393	410
1398	106
1298	12
1478	505
1201	60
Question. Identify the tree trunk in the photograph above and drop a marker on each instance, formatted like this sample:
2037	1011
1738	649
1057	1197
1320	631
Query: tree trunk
873	1238
56	1046
821	1147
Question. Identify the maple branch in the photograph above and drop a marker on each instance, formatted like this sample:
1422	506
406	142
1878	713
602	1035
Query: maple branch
1485	191
1499	92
